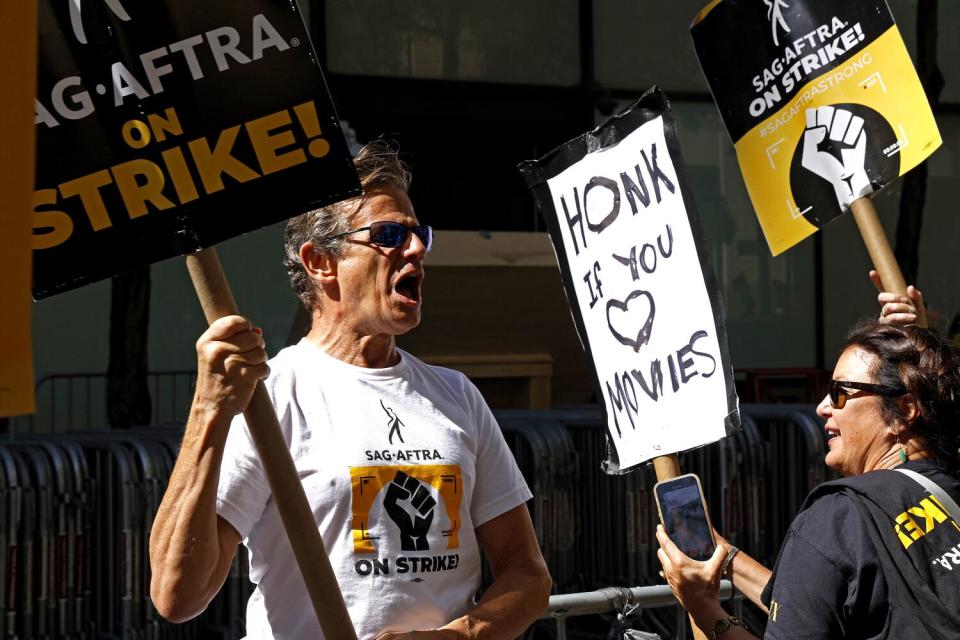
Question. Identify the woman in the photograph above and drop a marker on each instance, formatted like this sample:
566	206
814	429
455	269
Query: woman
871	555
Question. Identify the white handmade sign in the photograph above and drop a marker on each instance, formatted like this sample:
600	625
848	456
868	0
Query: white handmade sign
639	283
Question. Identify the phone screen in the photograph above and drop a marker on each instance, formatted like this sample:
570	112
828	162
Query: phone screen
681	507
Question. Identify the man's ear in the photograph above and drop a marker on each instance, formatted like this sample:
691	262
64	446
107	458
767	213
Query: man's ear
321	267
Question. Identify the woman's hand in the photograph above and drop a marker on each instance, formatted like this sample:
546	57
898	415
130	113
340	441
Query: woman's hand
898	309
695	584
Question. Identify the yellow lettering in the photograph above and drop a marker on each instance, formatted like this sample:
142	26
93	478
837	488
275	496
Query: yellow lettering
930	513
180	175
213	163
140	182
88	188
922	517
135	194
912	528
937	508
266	144
138	141
161	126
899	529
59	223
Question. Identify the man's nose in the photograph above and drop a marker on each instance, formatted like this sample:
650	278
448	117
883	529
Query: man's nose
415	246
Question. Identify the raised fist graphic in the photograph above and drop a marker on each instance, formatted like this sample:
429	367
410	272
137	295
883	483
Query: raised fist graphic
77	22
413	520
835	148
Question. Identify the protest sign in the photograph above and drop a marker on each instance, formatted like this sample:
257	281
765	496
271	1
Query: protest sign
639	282
162	129
165	127
822	103
18	46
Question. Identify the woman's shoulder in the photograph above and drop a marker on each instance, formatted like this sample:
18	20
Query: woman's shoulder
929	468
834	511
833	528
866	505
888	485
827	512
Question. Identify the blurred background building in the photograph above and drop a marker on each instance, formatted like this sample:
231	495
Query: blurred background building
469	90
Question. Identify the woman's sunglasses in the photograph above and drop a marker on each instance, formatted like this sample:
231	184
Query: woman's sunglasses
839	391
385	233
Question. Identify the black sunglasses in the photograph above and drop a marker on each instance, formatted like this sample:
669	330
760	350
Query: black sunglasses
385	233
838	390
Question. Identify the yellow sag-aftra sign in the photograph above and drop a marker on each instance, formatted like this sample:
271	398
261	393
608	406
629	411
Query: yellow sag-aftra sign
18	55
821	100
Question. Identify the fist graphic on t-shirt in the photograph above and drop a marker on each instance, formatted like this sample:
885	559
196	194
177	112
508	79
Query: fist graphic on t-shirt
409	504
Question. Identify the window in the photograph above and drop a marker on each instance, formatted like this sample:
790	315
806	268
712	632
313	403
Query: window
492	41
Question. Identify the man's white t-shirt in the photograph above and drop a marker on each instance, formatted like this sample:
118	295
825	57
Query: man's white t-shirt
399	465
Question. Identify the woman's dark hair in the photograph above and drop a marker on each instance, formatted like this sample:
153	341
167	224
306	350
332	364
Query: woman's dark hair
924	364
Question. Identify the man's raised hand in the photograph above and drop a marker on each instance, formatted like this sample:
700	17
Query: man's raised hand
231	358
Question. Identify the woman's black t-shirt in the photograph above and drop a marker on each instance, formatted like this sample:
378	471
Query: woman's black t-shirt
872	556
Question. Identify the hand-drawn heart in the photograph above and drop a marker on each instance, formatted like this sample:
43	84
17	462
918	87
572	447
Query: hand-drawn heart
643	335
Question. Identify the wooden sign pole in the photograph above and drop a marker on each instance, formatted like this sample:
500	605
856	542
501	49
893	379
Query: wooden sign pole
668	467
878	246
217	301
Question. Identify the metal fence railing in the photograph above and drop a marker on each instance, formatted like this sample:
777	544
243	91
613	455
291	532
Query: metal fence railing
625	602
76	507
75	401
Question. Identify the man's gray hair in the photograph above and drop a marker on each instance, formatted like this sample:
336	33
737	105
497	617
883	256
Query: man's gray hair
378	165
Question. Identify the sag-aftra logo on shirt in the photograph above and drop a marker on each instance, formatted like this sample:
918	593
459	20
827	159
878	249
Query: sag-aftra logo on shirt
415	505
918	521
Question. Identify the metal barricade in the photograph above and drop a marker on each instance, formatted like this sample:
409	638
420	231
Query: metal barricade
77	509
625	601
58	515
75	515
754	481
70	401
10	508
546	457
22	591
795	442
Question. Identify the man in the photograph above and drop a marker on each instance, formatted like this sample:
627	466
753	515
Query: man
405	468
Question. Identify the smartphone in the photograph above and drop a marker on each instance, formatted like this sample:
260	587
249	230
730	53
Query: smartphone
683	513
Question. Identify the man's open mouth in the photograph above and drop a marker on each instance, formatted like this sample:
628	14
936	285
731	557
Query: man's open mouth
409	287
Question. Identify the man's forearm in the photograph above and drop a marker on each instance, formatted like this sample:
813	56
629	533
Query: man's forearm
518	596
185	549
